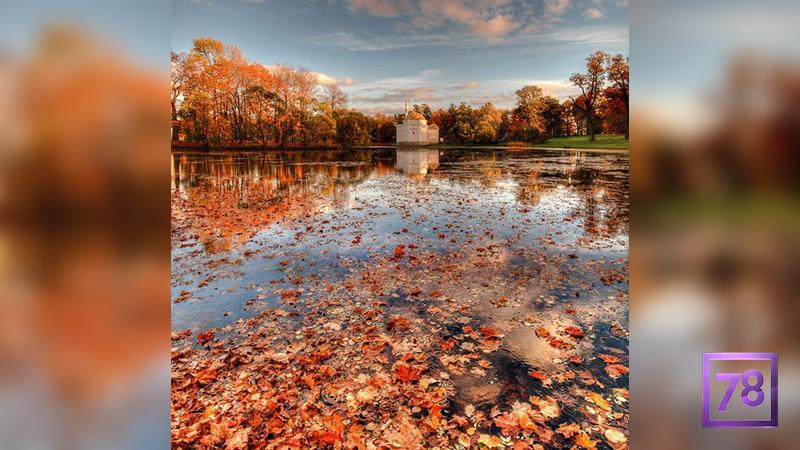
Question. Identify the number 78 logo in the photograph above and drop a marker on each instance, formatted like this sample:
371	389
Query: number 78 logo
748	409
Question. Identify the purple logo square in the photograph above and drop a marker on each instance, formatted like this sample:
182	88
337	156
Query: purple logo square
751	383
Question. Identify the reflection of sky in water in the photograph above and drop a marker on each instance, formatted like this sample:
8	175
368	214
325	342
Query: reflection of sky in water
518	197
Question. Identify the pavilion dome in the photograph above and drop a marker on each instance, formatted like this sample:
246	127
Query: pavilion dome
413	115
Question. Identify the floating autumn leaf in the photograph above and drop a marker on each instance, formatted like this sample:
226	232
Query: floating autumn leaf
538	375
585	442
598	400
559	343
548	407
609	359
398	323
500	302
448	344
326	371
407	372
238	439
469	410
507	423
399	251
615	436
205	376
405	436
490	441
616	370
181	334
434	417
204	337
334	429
575	359
367	395
542	332
574	332
355	438
568	429
490	332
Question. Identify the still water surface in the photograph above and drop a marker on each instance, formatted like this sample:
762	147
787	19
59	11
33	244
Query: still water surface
511	239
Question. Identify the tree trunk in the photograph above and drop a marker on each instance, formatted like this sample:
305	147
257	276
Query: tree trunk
589	125
627	120
175	129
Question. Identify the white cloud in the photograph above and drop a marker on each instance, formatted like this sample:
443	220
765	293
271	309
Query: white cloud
325	79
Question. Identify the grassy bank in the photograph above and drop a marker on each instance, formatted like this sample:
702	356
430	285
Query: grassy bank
605	141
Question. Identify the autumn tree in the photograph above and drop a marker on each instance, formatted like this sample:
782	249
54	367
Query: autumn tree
530	103
385	129
321	126
618	75
570	122
334	96
591	85
552	116
352	129
464	127
178	75
425	110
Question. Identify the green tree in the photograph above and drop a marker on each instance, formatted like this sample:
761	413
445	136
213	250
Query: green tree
351	129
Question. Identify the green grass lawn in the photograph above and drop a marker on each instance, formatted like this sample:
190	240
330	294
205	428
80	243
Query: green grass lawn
604	141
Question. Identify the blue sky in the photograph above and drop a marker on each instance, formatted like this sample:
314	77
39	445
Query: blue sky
435	51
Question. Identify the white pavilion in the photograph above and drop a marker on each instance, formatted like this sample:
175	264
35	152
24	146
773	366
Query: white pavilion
415	129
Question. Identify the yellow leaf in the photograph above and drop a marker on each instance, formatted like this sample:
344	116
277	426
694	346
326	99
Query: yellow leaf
615	436
490	441
584	441
599	401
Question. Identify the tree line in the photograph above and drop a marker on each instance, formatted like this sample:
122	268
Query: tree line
218	97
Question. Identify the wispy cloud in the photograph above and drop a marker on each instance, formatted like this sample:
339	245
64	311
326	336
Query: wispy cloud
367	42
593	13
590	34
381	8
556	8
489	19
466	86
417	94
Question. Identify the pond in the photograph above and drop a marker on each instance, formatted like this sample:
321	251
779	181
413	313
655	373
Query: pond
469	284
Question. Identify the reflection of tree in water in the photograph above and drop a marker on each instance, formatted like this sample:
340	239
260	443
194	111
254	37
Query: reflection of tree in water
603	197
223	200
529	185
598	181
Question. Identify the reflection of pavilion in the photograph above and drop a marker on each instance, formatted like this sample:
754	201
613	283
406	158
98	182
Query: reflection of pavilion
417	161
